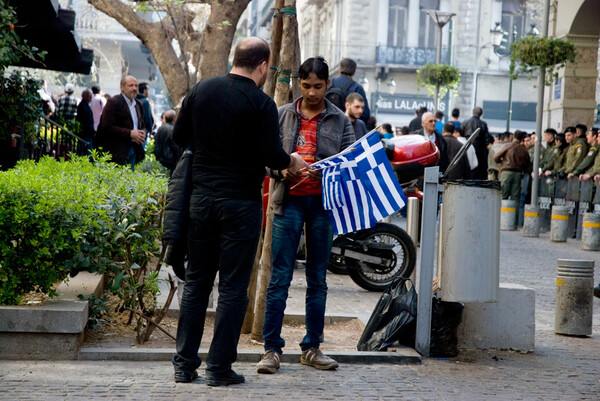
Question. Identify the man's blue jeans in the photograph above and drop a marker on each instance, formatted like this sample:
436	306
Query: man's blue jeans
287	229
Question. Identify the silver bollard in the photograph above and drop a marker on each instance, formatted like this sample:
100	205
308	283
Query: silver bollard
590	234
412	218
574	297
508	213
559	223
531	221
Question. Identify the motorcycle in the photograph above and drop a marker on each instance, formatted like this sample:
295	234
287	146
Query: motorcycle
375	257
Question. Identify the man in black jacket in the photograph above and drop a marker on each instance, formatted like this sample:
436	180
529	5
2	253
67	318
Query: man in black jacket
481	142
234	132
121	130
85	118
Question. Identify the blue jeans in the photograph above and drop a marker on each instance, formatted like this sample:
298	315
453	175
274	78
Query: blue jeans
223	235
287	228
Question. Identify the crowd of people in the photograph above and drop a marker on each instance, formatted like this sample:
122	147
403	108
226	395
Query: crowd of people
121	125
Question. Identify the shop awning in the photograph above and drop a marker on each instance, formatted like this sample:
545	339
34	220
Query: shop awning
48	27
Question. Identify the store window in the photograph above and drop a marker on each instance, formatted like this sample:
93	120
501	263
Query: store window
514	13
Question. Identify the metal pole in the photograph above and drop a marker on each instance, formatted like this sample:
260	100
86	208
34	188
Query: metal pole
510	84
425	272
540	115
438	60
509	112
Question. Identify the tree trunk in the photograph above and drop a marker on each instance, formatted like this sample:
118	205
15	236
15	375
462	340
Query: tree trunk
213	48
290	32
276	32
218	36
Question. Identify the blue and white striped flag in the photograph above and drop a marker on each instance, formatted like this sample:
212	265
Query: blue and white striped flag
359	185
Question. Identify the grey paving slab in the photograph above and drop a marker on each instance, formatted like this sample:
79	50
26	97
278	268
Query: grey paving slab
560	368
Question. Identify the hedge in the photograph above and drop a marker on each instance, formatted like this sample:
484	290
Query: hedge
58	218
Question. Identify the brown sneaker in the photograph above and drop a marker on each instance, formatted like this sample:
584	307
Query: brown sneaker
314	357
269	362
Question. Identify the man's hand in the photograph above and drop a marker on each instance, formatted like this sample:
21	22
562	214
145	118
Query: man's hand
314	174
138	136
584	177
292	172
596	177
547	173
570	175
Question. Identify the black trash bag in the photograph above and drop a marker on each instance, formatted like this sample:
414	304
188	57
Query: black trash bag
445	318
393	315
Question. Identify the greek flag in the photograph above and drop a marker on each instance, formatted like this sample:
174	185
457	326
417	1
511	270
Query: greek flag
359	186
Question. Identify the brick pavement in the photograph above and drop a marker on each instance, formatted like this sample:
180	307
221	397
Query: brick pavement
561	368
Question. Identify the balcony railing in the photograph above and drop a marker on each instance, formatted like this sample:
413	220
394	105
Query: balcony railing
408	55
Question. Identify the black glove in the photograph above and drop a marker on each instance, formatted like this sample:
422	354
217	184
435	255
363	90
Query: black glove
176	256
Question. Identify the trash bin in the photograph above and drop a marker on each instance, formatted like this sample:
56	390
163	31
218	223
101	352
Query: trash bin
574	297
470	241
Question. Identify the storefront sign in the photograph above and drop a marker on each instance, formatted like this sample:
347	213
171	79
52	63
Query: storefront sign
403	103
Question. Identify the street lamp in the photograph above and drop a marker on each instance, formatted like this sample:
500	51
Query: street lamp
364	82
391	86
440	18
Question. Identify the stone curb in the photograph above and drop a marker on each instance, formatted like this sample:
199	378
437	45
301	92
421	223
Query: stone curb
397	356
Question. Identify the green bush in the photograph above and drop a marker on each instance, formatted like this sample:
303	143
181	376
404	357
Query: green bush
58	218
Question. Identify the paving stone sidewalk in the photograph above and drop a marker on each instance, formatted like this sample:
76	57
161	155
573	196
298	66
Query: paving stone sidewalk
561	368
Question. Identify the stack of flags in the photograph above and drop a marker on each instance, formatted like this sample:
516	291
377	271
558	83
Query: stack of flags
359	185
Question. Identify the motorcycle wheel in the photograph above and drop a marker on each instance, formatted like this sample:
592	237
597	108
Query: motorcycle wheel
337	263
374	277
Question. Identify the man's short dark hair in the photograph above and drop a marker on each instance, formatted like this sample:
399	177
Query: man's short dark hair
95	89
477	111
316	65
582	128
347	66
550	131
570	129
460	131
449	128
387	127
455	112
439	115
519	135
249	55
594	131
142	87
354	96
170	116
421	110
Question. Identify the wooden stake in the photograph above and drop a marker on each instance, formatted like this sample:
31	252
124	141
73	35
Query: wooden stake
290	31
276	31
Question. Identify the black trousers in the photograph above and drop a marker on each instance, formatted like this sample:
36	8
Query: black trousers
223	236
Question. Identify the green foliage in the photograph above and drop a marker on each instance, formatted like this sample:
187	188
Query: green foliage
58	218
97	307
531	53
17	90
438	76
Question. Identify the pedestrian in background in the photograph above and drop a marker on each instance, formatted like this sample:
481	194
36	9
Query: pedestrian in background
121	129
67	104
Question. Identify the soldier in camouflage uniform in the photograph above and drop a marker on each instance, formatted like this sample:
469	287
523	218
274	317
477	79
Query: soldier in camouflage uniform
576	152
588	161
549	152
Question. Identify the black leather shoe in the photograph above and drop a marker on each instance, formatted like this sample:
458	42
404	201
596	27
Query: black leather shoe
224	379
185	377
597	291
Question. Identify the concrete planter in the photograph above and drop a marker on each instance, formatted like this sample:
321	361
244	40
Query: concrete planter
52	331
